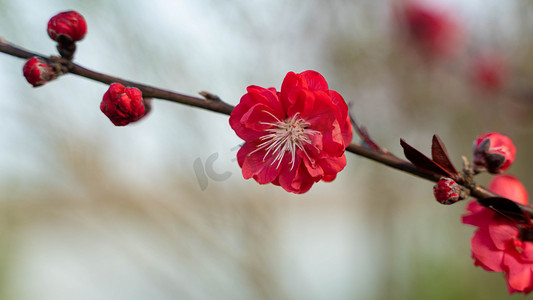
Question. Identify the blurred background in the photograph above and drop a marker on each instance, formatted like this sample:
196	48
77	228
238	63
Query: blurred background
93	211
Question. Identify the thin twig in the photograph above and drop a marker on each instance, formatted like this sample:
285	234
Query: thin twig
148	91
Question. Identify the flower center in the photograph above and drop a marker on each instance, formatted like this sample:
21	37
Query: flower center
286	136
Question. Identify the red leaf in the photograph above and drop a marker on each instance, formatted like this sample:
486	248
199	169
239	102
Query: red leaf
440	156
423	162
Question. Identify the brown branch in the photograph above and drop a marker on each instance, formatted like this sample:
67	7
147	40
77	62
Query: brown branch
16	51
216	105
148	91
405	166
152	92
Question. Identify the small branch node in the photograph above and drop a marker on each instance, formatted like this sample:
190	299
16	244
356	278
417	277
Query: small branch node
209	96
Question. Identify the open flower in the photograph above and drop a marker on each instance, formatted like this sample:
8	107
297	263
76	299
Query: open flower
294	137
500	244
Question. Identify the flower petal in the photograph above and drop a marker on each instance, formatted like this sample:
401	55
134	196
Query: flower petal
300	101
314	80
297	180
480	216
485	252
256	165
501	231
527	248
245	117
333	165
314	169
269	97
518	273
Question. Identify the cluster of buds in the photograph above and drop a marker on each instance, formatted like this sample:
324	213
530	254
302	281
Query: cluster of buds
65	28
493	152
122	105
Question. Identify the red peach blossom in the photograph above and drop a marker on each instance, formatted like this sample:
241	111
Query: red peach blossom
122	105
500	244
294	137
434	33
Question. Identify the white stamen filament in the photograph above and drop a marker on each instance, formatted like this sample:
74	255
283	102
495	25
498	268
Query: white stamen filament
286	136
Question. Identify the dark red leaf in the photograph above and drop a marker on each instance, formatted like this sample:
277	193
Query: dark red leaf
508	209
423	162
440	156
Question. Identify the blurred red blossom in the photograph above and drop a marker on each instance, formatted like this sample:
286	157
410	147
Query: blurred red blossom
294	137
433	32
500	244
489	72
123	105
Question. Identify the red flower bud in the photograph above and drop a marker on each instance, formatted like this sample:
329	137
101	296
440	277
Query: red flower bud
447	191
68	26
493	151
123	105
38	72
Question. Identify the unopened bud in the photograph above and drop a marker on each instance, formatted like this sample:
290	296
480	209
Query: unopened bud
68	26
38	72
447	191
494	152
123	105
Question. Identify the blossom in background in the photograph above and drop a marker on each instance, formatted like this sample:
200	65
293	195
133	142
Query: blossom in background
494	152
68	26
38	72
294	137
500	244
123	105
433	32
489	72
